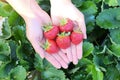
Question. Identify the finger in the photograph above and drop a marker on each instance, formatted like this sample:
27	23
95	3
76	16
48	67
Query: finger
63	50
63	56
55	20
82	26
52	60
60	60
69	54
79	50
37	48
74	54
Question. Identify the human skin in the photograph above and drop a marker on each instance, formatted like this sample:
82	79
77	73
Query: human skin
65	9
35	18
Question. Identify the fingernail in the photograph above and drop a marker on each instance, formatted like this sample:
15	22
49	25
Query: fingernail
85	36
65	67
42	57
75	62
58	67
70	60
79	57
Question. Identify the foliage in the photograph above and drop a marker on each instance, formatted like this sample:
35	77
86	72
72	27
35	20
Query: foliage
101	50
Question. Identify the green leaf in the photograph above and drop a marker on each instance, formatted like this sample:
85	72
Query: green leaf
100	49
24	53
3	12
13	46
90	22
6	31
115	35
113	2
5	9
97	59
108	60
38	63
115	48
41	64
108	19
14	18
112	73
4	58
4	48
96	73
87	49
18	73
90	8
5	69
2	3
19	33
44	4
96	1
78	3
53	73
118	66
25	64
84	61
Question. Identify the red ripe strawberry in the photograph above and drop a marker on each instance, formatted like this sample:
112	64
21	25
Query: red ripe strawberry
63	40
51	47
76	37
50	32
66	25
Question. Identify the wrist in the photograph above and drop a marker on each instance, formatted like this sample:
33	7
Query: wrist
60	2
25	8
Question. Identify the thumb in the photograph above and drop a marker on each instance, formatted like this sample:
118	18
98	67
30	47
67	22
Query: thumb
83	28
55	20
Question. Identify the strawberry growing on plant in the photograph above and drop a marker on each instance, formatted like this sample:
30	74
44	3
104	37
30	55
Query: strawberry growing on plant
76	37
50	46
66	25
50	32
63	40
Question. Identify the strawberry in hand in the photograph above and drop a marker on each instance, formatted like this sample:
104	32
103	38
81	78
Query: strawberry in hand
63	40
76	37
66	25
50	46
50	32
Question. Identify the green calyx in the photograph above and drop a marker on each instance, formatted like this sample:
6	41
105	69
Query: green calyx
63	21
46	45
47	27
63	34
78	30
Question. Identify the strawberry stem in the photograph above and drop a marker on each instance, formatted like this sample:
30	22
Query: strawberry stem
78	30
67	34
63	21
47	27
64	34
46	45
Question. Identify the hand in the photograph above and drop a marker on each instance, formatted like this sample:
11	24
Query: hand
35	18
66	9
35	35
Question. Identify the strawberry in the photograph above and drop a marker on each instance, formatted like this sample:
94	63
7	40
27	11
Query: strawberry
76	37
50	32
63	40
50	46
66	25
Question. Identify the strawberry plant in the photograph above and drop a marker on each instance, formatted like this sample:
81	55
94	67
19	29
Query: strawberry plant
101	50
